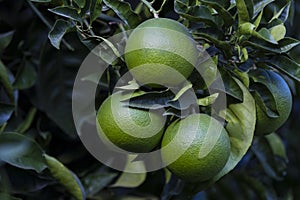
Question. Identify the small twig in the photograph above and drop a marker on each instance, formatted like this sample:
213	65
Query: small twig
161	6
149	5
45	21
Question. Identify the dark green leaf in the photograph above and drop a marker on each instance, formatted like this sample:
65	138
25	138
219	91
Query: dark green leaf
259	5
5	112
4	80
277	146
25	125
197	13
263	152
26	76
5	39
230	86
60	28
286	65
153	100
65	177
68	12
30	181
4	196
284	45
80	3
21	151
263	91
96	181
178	113
245	10
265	35
226	16
124	11
95	10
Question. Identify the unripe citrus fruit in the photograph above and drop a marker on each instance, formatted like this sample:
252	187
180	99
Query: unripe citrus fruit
196	147
130	129
282	96
161	51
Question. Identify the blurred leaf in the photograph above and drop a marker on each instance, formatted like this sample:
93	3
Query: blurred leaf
5	39
25	181
226	16
259	5
68	12
124	11
206	101
278	32
183	113
24	126
257	21
132	85
245	10
283	13
265	35
4	80
286	65
6	111
196	13
96	181
41	1
20	151
60	28
4	196
80	3
264	154
95	10
131	180
26	76
185	88
277	145
65	177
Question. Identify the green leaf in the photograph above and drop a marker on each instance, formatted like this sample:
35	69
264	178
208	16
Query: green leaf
264	154
263	91
245	10
197	13
241	120
283	46
131	180
286	65
26	76
185	88
206	101
68	12
65	177
60	28
183	113
259	5
95	10
25	125
230	86
265	35
132	85
6	111
21	151
124	11
6	84
278	32
96	181
283	13
41	1
153	100
277	146
5	39
226	16
257	21
4	196
80	3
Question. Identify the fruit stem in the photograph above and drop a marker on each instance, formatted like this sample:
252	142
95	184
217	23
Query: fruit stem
149	5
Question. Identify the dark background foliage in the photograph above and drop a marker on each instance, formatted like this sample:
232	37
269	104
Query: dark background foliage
38	114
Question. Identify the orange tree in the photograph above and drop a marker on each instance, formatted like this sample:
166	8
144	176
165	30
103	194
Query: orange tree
251	48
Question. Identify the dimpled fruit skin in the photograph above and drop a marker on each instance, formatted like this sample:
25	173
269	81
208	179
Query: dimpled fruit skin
115	131
189	166
283	98
158	42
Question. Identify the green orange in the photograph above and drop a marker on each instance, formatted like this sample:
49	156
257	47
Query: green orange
161	51
196	148
130	129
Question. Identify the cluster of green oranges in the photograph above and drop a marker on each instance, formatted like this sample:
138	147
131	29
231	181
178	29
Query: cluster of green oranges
162	52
